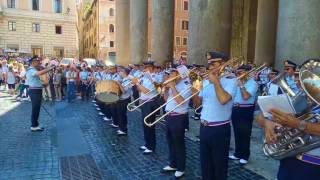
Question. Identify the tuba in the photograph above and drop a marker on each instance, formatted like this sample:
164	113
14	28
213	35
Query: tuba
292	142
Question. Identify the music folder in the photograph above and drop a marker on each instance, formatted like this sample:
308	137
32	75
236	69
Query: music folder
281	102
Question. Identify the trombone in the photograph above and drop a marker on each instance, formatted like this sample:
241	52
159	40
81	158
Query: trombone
131	106
253	72
219	69
167	113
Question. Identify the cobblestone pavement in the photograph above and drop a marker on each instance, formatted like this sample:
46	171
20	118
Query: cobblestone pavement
26	155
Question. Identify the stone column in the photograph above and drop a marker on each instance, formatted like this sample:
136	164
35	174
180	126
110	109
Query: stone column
267	19
139	30
122	31
298	36
209	28
162	30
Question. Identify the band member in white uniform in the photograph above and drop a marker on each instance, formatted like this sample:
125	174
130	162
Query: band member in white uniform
242	115
113	107
175	122
271	88
148	93
85	81
290	69
136	72
121	106
215	130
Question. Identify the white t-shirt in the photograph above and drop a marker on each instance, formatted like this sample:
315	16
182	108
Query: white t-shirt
11	78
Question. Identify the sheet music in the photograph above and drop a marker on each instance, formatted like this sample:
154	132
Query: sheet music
281	102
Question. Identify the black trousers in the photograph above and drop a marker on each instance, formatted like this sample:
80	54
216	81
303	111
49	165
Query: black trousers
294	169
105	108
175	126
36	98
242	118
122	114
149	132
85	91
214	151
135	94
113	109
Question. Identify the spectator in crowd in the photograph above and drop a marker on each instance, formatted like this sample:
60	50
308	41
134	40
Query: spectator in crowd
46	91
11	80
57	84
4	71
1	76
64	70
23	86
71	76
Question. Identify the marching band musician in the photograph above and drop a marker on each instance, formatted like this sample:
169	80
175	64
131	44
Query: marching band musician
304	166
98	76
290	69
135	72
35	90
215	131
271	88
175	122
148	95
105	108
243	114
121	105
113	107
103	75
85	81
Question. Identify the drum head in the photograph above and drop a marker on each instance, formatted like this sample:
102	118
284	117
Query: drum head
107	98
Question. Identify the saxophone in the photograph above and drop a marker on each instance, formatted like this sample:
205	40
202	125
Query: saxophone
292	142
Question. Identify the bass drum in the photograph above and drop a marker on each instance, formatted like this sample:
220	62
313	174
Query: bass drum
107	91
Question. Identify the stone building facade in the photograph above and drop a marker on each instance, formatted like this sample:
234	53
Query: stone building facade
40	27
96	21
255	30
181	28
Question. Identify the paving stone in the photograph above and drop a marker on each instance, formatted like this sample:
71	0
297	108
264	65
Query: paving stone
35	155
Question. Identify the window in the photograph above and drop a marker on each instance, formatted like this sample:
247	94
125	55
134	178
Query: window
111	28
178	42
111	12
36	27
111	43
185	25
185	41
11	3
57	6
12	26
35	5
37	50
58	30
185	5
58	51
